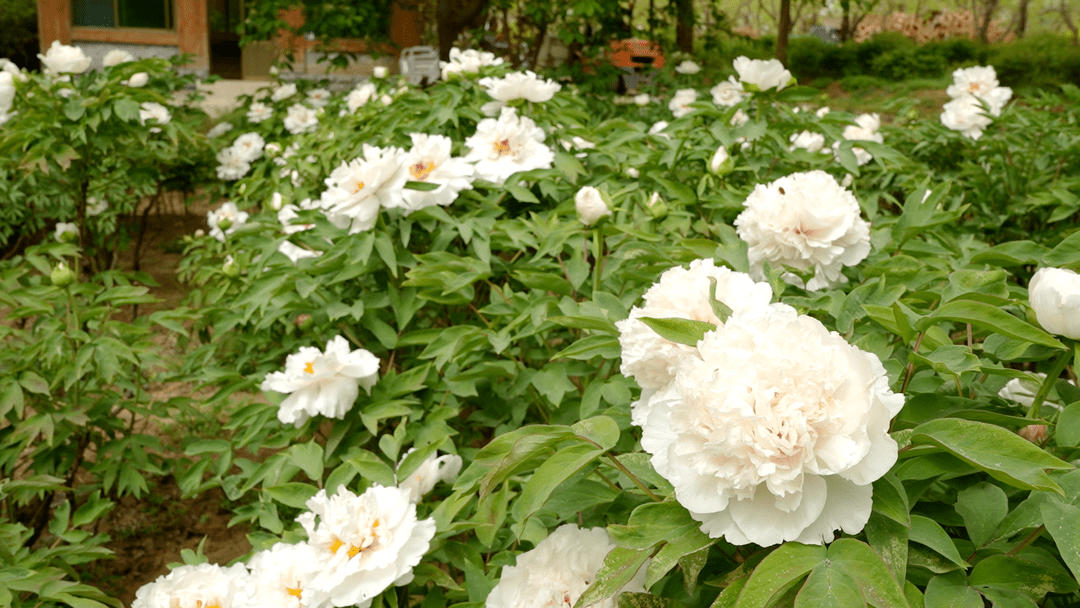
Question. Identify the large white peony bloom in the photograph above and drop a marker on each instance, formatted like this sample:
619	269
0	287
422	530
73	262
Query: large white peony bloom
151	110
467	61
64	59
1055	296
504	146
198	586
325	383
680	102
231	164
301	119
966	115
762	74
681	293
249	146
366	543
357	189
225	220
865	129
318	97
980	82
775	431
429	160
806	221
137	80
116	57
728	93
557	571
7	92
281	576
688	67
517	85
430	472
259	111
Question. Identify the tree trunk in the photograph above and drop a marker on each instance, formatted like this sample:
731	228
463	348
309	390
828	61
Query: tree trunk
453	17
984	27
845	22
1069	23
684	31
783	29
1021	27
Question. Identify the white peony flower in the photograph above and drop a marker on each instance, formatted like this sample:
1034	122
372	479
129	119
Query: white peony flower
865	129
633	172
467	61
822	111
318	97
380	71
116	57
325	383
151	110
258	112
137	80
967	116
7	92
680	102
775	430
980	82
359	96
63	59
728	93
762	75
8	66
721	162
429	160
197	586
357	189
658	129
504	146
517	85
249	146
590	205
225	220
66	232
281	576
430	472
642	99
807	221
301	119
366	543
688	67
557	571
739	118
1022	390
231	165
285	91
96	206
1054	294
682	293
219	129
811	142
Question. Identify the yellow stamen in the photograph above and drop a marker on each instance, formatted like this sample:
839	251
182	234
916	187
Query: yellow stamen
421	170
353	550
309	368
295	592
358	188
502	147
335	545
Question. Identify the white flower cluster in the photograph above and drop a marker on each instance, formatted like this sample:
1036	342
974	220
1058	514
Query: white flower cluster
235	161
807	221
358	546
865	129
517	85
972	88
770	428
557	571
467	61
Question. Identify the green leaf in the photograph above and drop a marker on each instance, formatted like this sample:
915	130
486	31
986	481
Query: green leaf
34	383
680	331
620	565
889	539
74	110
1062	521
601	430
1033	578
551	474
292	494
1067	432
951	591
652	523
721	310
589	347
927	532
1004	455
309	457
868	571
990	317
954	359
963	282
422	186
522	194
670	554
779	572
983	506
126	109
632	599
829	586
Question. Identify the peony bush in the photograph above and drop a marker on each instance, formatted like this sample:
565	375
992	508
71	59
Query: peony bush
721	347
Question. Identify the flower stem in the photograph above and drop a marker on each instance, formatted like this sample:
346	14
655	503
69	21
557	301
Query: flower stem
634	478
1051	379
597	247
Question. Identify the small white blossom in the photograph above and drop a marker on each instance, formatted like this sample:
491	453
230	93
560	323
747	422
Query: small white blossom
809	141
728	93
64	59
137	80
318	97
642	99
517	85
380	71
231	165
467	61
285	91
762	74
688	67
225	220
430	472
680	102
116	57
865	129
258	112
66	232
151	110
301	119
249	146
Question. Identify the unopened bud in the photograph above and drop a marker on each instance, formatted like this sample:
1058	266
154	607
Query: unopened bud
656	206
224	224
1035	433
304	321
62	276
230	267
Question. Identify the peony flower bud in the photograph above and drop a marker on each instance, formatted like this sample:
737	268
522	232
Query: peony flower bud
632	172
304	321
1035	433
592	205
1055	296
656	206
62	276
721	163
66	232
642	99
230	267
138	79
380	71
